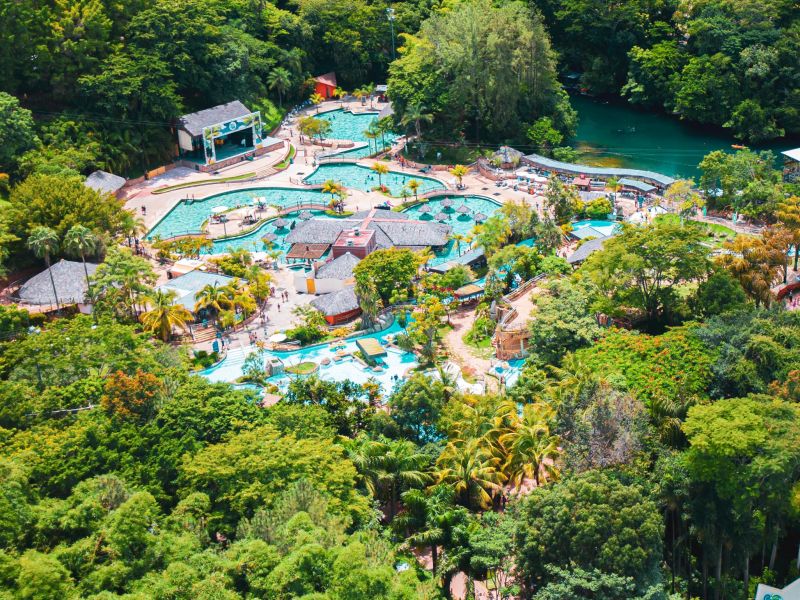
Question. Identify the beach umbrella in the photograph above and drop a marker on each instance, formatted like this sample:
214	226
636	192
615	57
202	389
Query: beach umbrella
219	209
279	223
447	203
305	215
424	209
441	217
270	237
479	217
463	209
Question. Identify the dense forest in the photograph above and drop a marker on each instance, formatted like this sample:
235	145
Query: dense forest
106	80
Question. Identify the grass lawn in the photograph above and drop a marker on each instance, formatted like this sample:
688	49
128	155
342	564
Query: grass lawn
304	368
716	234
189	184
287	161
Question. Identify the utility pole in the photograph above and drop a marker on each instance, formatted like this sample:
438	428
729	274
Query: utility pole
390	16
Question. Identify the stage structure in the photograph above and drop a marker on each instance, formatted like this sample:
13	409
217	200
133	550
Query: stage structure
222	135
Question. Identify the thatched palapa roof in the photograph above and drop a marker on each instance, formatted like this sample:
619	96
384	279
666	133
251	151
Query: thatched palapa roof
340	268
336	303
70	280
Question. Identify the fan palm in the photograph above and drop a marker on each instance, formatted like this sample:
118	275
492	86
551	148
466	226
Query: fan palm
472	472
43	241
400	466
163	314
81	241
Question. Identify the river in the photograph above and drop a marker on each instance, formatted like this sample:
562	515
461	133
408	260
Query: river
612	133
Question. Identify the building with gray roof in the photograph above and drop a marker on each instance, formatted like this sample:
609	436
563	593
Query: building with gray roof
105	183
338	307
195	122
339	268
188	286
588	248
70	283
549	164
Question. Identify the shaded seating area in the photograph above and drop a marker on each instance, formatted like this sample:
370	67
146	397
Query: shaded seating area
371	349
468	293
586	250
306	252
70	283
338	307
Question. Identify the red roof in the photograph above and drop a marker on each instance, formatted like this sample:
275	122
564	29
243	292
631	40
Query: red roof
581	181
327	79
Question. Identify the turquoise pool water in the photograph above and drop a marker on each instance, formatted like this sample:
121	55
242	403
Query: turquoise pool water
395	363
253	242
363	178
346	125
187	217
602	227
462	224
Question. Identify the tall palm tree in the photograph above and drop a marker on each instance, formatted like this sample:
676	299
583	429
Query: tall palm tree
81	241
316	100
400	466
472	472
532	449
413	185
43	241
212	298
374	132
416	114
370	135
381	169
163	314
279	79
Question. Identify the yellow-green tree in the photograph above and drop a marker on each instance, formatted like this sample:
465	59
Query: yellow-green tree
163	315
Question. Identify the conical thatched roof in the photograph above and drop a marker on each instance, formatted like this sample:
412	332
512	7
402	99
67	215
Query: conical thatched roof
70	282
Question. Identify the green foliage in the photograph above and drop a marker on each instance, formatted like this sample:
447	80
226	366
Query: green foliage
17	132
564	320
675	364
641	267
590	521
718	294
468	83
388	271
748	180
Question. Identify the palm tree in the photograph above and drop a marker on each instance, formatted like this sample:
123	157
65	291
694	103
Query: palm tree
413	185
164	315
43	241
458	171
472	472
331	187
400	466
339	93
81	241
316	100
532	449
416	114
212	298
370	135
788	214
279	79
381	169
374	132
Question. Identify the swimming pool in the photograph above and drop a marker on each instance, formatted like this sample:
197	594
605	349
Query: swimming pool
346	125
188	217
253	241
462	223
594	228
395	363
354	176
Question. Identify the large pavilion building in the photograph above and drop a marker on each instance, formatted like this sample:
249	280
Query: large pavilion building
222	135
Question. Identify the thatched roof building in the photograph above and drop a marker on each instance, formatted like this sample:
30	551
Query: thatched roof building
70	281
